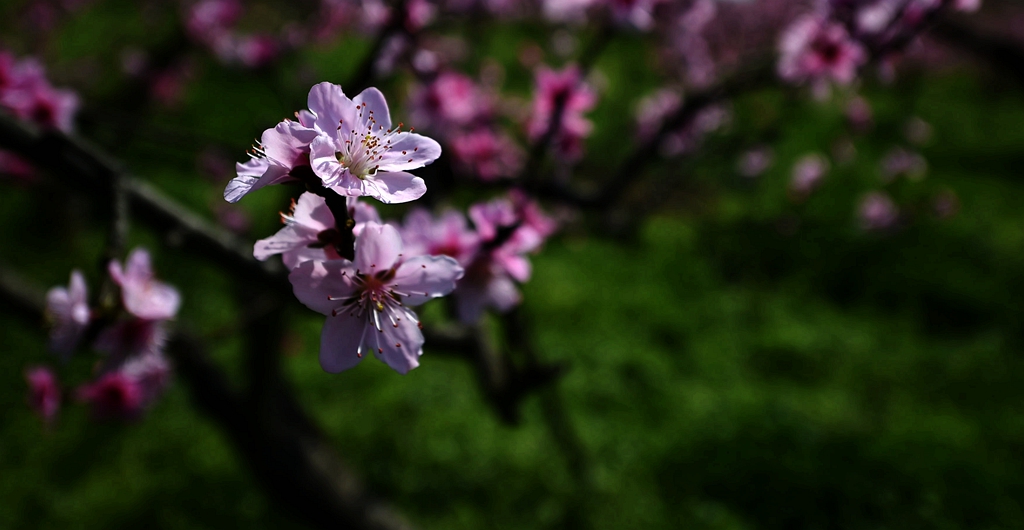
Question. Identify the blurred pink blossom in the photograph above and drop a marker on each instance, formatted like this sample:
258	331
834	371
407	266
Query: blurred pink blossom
563	88
814	49
753	162
901	162
487	154
808	172
68	311
113	395
44	394
877	211
450	100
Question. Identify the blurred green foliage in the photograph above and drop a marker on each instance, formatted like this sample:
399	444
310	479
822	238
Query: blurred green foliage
747	362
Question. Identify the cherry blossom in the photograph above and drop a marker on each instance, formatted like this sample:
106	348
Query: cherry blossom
68	310
43	104
452	99
815	49
125	391
448	235
367	300
567	89
25	91
148	304
114	395
143	296
151	373
310	231
486	154
755	162
807	174
507	229
637	13
901	162
877	211
209	20
43	392
359	153
283	153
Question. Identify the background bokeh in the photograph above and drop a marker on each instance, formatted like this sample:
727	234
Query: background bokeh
741	360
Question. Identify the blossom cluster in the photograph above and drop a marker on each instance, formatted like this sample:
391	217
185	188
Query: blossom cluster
463	114
130	334
831	44
212	24
361	272
26	93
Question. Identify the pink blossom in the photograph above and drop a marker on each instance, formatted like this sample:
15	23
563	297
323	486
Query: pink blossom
807	174
690	43
487	154
361	213
30	96
877	211
877	17
576	97
19	74
637	13
450	100
309	234
901	162
115	395
816	49
68	310
359	153
567	10
142	295
967	5
282	154
43	392
367	301
418	14
256	51
490	280
310	231
487	284
535	226
754	162
448	235
148	304
210	20
653	109
150	372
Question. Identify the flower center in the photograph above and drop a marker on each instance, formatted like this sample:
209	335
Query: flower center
376	301
362	148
